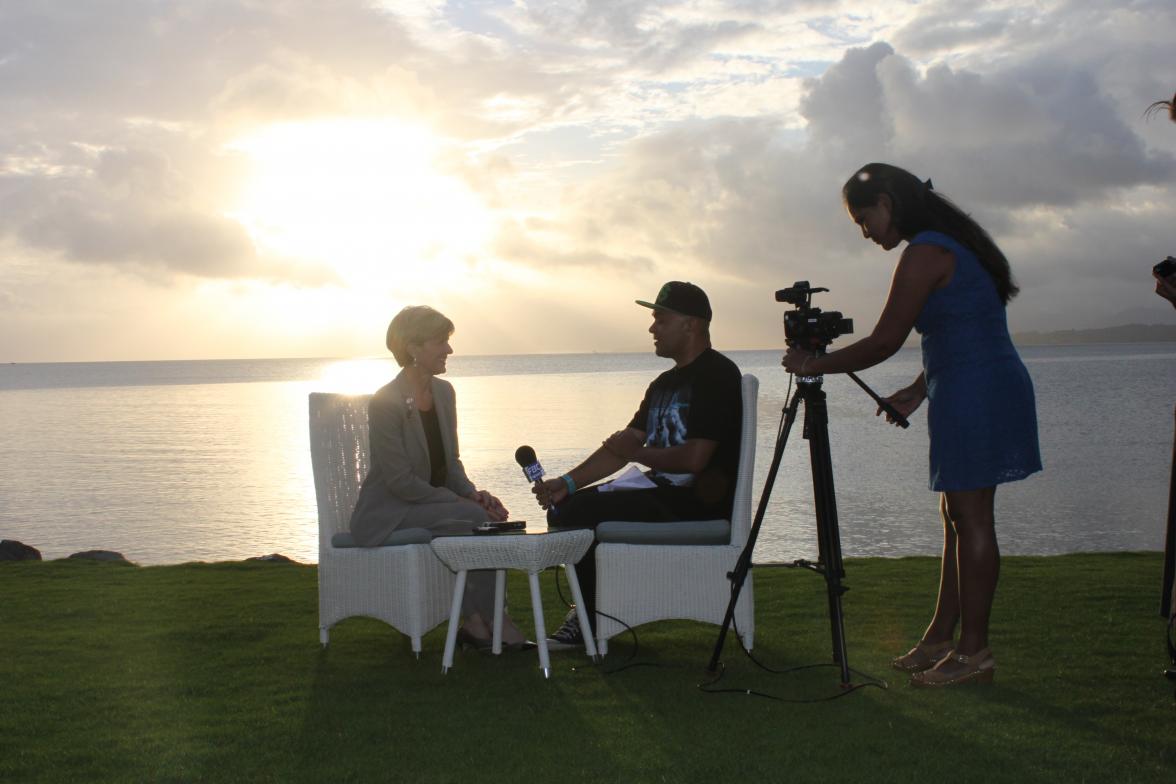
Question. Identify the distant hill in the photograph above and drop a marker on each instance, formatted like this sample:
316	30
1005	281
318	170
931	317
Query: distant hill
1128	333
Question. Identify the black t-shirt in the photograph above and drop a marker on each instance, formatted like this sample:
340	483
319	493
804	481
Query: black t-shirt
701	400
438	472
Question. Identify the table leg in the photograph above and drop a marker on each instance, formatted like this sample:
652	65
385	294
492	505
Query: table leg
581	613
499	595
540	629
454	620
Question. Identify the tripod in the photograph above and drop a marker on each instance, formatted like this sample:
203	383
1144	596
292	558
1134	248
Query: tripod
829	563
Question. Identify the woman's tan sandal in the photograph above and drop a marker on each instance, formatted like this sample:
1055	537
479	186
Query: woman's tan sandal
957	669
922	657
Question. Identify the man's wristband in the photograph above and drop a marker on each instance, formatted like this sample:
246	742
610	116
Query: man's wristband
571	485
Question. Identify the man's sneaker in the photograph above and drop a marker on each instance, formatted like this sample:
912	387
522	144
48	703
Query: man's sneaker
567	635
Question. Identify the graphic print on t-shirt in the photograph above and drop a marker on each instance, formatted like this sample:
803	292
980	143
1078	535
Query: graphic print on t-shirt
667	426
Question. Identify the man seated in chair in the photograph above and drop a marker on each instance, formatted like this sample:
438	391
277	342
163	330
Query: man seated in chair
686	433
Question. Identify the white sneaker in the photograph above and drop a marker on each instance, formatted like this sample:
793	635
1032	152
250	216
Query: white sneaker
568	635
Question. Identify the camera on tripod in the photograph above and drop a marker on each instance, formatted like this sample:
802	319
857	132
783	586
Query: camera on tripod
808	326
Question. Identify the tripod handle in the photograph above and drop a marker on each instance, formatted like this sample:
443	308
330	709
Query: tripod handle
890	410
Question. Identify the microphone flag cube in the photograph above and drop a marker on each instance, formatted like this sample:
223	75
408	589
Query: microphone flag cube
533	472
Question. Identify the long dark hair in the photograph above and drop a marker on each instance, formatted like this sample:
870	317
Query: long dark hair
1162	106
917	207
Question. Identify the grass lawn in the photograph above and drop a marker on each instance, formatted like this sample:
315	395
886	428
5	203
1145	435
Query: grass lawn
213	672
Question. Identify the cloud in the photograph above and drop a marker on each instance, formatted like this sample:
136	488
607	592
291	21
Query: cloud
622	140
131	208
165	60
1028	135
1039	152
948	28
545	246
116	156
845	107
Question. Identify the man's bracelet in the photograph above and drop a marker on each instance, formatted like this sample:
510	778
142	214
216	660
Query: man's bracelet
567	480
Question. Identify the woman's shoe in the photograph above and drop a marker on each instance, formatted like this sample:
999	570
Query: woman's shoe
467	640
978	667
923	656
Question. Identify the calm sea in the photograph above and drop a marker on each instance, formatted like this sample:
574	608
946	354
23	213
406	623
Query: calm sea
169	462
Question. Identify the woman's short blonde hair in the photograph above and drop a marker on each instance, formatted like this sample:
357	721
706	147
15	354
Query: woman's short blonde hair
412	327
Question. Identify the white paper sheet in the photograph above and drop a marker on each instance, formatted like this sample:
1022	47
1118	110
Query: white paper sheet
631	479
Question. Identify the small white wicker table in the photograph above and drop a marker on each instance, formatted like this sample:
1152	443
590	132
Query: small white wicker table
531	553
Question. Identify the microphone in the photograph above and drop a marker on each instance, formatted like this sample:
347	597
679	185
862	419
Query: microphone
525	457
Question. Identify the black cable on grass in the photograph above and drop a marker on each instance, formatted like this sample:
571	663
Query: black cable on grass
628	663
706	687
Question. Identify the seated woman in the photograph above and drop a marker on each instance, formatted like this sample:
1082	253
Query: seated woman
416	478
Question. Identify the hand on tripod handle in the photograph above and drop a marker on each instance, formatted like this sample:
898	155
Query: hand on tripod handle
893	415
900	405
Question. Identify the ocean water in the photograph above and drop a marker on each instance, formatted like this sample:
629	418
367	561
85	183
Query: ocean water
170	462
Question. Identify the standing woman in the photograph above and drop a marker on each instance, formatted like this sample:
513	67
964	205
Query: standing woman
1166	288
416	478
951	284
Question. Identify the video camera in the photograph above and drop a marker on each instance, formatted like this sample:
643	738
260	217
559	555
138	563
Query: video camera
808	326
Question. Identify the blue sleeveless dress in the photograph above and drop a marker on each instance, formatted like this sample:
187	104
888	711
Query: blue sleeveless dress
981	413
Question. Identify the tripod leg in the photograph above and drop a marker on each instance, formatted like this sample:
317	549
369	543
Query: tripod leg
1168	588
816	424
739	574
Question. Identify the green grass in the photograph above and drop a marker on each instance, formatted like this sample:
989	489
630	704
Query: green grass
214	673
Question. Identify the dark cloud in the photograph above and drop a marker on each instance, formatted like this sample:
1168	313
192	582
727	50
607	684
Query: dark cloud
845	107
1038	152
1029	135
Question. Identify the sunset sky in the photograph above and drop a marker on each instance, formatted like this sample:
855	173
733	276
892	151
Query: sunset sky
276	178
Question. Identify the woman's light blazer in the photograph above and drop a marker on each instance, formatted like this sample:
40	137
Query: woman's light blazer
399	476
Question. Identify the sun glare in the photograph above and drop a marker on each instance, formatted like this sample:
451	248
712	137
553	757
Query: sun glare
357	376
363	197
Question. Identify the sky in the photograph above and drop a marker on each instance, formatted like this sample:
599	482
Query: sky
277	178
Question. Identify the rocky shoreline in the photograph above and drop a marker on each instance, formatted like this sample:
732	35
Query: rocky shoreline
12	550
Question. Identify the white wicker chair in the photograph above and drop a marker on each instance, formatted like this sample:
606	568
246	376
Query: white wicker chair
404	585
640	583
